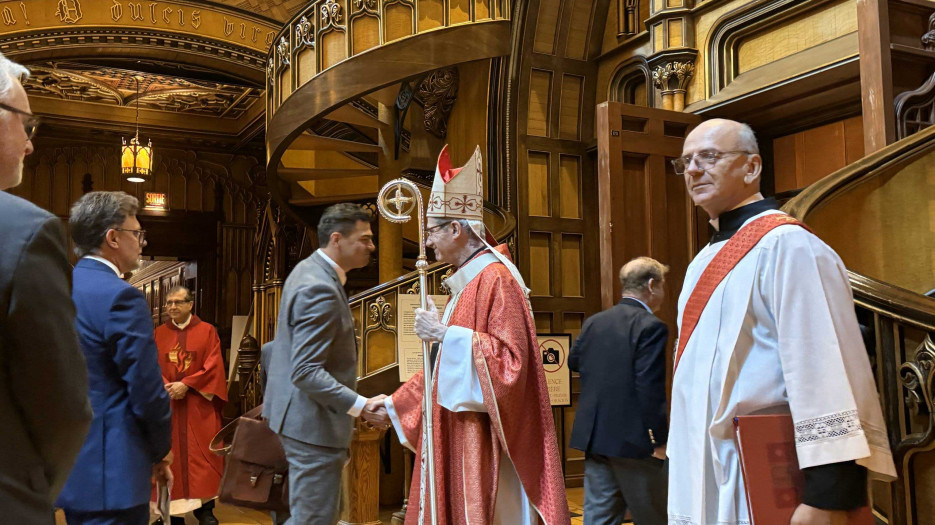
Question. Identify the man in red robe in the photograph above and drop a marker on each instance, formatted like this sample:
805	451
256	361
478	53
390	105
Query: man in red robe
495	451
193	371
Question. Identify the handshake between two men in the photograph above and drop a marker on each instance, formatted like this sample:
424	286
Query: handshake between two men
429	328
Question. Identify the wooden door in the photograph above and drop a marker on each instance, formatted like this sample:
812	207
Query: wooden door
644	207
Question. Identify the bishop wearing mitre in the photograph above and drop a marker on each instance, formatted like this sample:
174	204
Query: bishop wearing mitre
495	451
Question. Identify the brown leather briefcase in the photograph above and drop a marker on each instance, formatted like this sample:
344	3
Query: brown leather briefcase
256	474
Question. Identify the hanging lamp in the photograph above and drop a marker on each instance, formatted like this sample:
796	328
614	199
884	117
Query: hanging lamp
136	160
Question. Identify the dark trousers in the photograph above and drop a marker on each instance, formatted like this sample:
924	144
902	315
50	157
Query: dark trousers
314	482
133	516
613	485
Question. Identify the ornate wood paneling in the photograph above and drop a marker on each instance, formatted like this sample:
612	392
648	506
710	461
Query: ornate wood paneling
554	78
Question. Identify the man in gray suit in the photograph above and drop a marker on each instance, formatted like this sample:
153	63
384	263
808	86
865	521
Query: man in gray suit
44	408
310	399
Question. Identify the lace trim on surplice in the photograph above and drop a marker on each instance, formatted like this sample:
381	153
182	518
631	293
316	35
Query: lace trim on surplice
831	426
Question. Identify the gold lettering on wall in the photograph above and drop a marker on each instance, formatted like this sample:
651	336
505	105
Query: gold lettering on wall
69	11
136	11
8	18
155	14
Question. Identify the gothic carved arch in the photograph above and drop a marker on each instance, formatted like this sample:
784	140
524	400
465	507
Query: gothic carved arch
730	29
630	78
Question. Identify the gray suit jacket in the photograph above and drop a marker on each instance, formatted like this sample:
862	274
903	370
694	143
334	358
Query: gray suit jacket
312	371
44	408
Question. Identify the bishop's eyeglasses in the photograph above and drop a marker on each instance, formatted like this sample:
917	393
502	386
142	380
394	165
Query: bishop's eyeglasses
30	124
705	159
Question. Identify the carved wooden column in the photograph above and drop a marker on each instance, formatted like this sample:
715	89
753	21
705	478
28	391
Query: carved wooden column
672	80
672	60
360	490
390	249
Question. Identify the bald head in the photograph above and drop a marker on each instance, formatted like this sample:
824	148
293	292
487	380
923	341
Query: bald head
725	165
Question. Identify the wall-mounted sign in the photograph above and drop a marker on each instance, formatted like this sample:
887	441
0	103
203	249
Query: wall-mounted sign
554	350
408	344
155	201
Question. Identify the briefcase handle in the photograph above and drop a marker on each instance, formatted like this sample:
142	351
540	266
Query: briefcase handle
217	445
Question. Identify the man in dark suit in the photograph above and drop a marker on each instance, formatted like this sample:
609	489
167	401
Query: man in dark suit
621	419
44	409
131	432
310	399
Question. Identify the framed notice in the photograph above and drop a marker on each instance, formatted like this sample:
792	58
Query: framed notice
554	350
408	344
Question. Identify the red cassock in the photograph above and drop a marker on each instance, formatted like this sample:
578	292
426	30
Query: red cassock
470	447
193	356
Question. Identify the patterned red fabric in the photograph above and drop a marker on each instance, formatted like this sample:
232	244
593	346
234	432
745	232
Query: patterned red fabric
193	356
736	248
468	445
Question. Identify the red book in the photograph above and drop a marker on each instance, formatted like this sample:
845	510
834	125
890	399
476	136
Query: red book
774	483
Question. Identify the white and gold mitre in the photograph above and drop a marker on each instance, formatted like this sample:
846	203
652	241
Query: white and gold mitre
457	193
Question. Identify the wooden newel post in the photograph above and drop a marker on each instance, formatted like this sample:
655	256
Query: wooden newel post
360	491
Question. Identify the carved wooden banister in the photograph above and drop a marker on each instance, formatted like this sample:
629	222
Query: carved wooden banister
875	214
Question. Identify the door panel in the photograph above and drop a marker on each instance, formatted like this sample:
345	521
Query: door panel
644	207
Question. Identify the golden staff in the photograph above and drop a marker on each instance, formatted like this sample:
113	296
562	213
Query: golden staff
405	197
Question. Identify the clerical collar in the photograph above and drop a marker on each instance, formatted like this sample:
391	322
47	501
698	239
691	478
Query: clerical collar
342	275
102	260
729	222
186	323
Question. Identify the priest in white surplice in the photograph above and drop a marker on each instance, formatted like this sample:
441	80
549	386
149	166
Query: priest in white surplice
778	335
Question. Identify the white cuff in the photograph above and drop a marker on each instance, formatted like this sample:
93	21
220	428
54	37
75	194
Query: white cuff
397	424
358	407
458	385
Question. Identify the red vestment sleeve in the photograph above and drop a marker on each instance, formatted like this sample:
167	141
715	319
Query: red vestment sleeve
407	401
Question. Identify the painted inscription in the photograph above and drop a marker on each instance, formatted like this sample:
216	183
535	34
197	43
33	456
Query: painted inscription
160	14
69	11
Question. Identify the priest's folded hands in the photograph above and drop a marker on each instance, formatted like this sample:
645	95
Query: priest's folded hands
427	325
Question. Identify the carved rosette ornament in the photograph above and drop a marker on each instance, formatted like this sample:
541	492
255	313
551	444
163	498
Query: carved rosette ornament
305	33
381	315
672	79
438	93
282	51
928	39
331	15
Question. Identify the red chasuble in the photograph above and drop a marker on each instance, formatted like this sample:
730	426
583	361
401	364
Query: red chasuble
193	356
470	447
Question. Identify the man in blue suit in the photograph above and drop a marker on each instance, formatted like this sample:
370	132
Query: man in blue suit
130	435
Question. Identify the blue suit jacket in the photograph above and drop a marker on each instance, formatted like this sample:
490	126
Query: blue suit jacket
132	426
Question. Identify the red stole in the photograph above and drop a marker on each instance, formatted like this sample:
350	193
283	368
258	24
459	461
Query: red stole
193	356
469	445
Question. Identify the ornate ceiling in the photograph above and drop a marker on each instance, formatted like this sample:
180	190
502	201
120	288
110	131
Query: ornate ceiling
74	81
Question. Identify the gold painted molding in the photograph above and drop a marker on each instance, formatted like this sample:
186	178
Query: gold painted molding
200	19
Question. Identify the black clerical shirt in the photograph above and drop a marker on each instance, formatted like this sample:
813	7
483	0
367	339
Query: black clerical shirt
835	486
